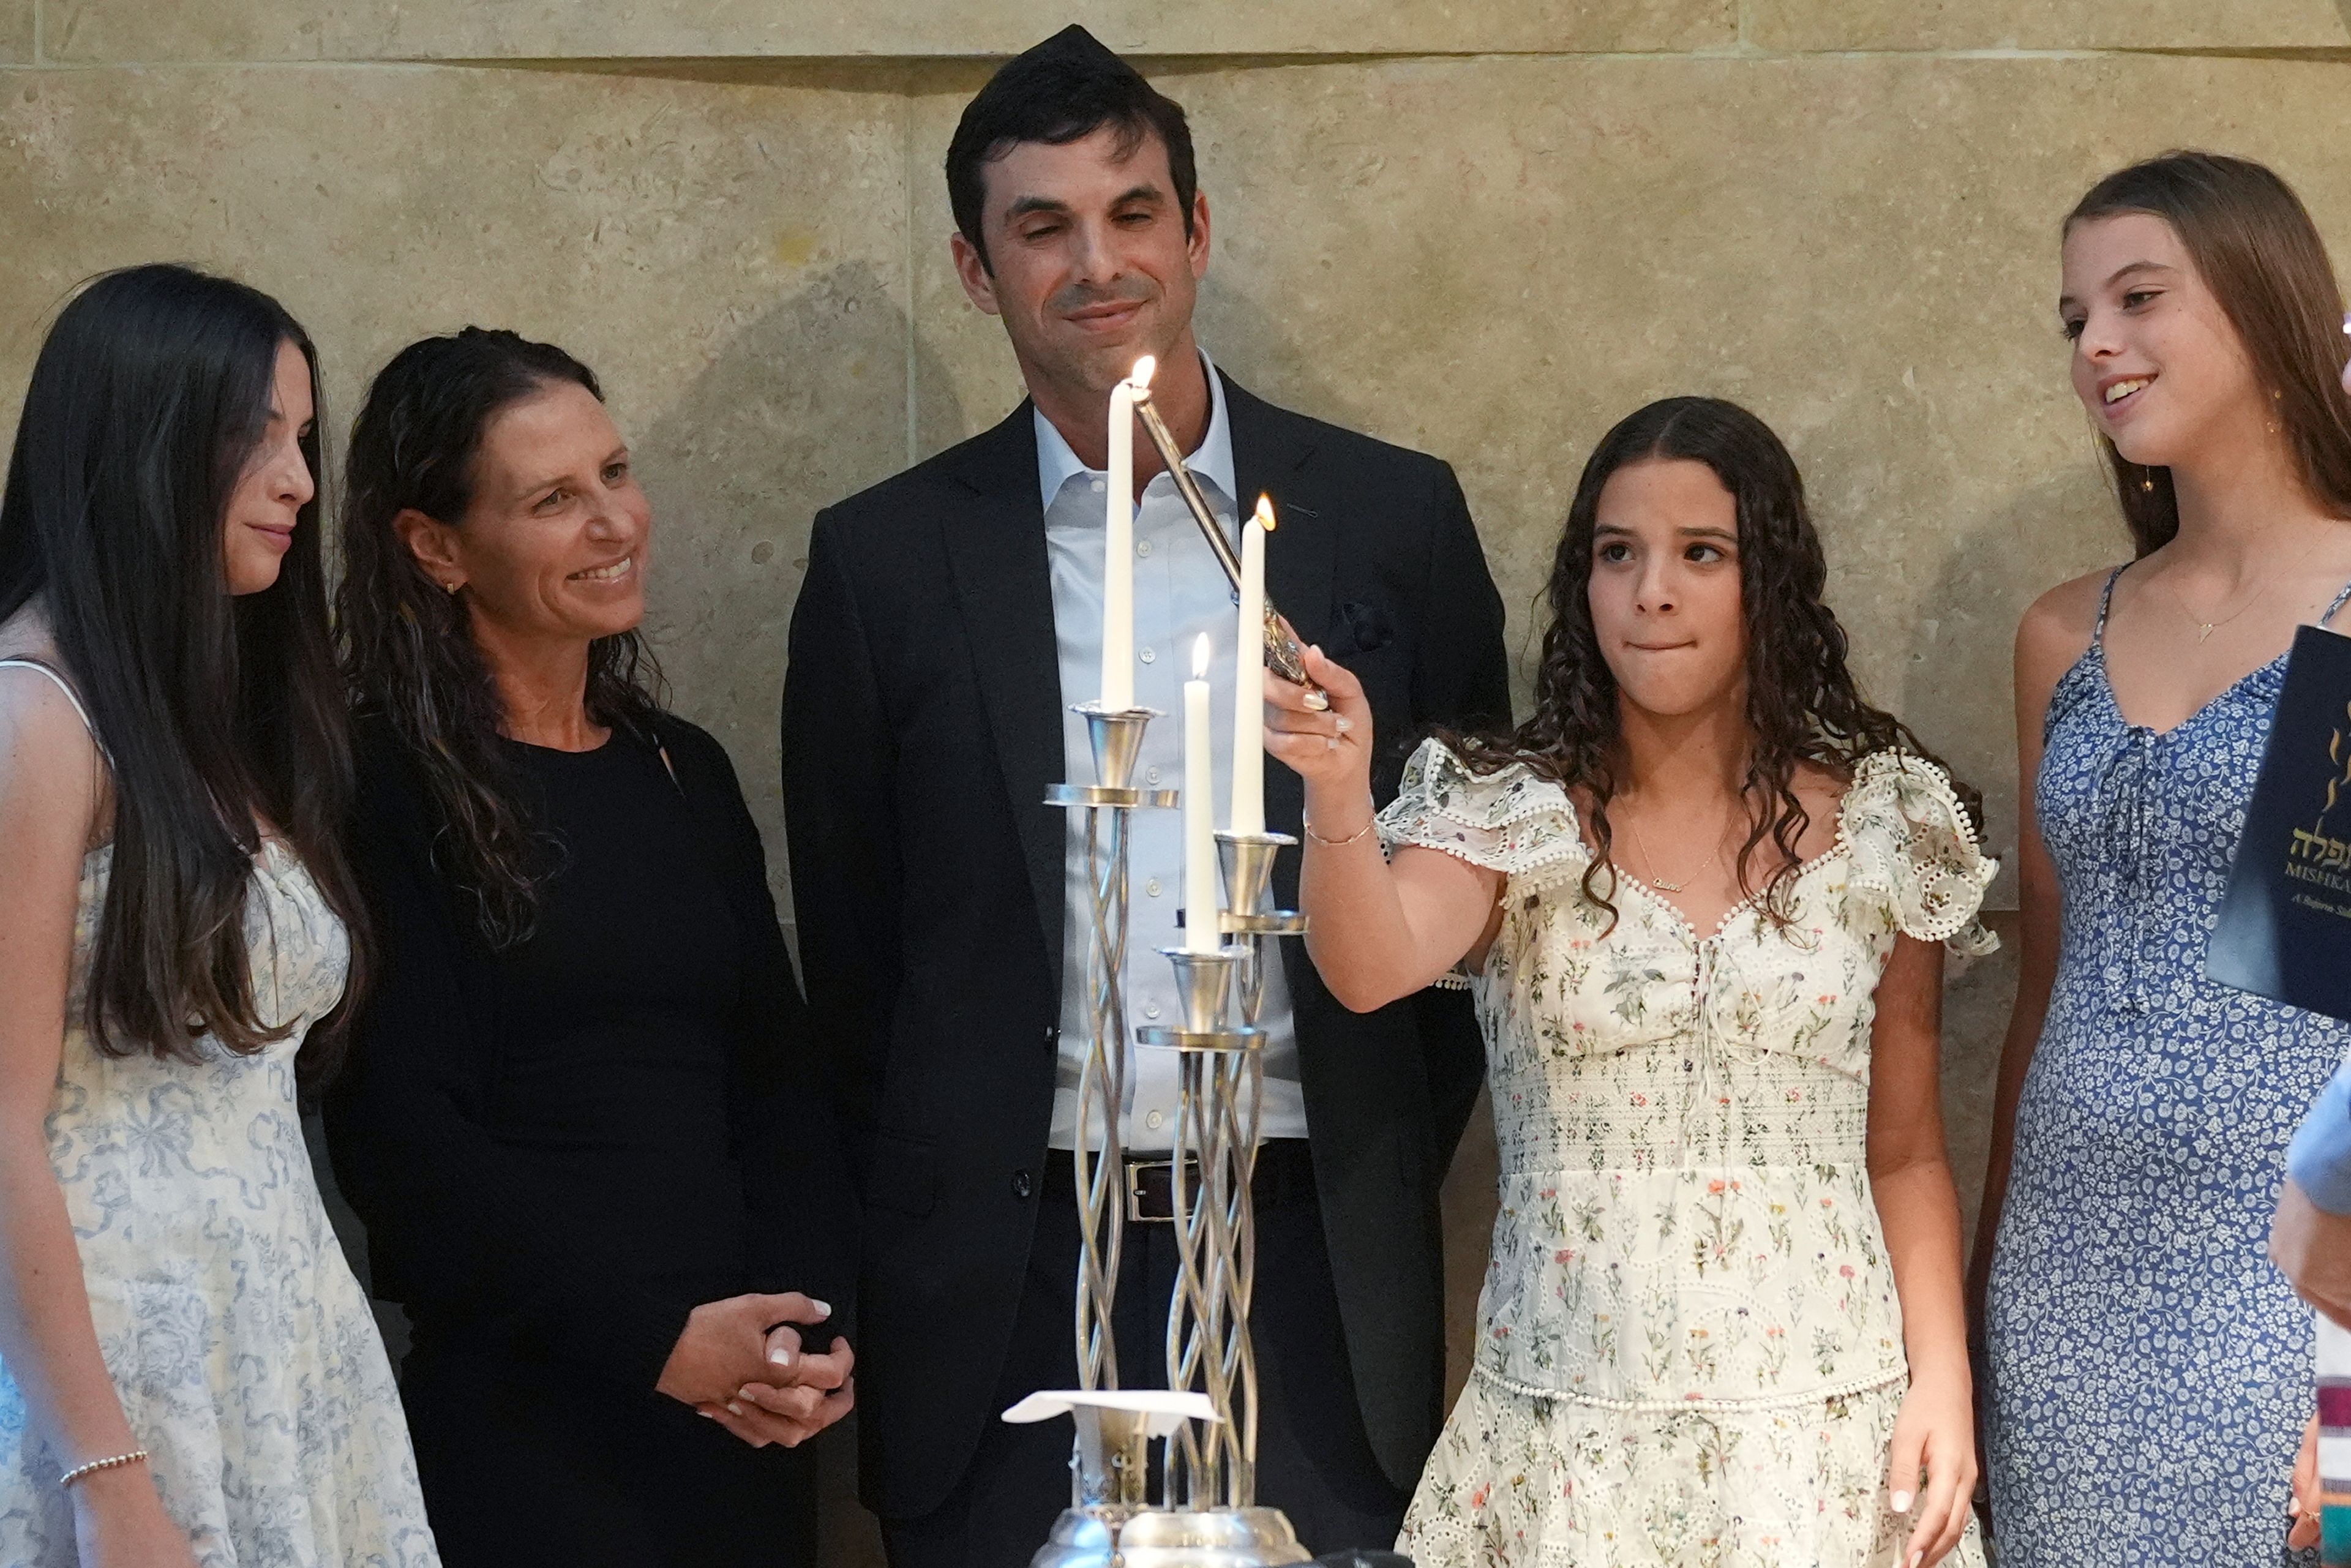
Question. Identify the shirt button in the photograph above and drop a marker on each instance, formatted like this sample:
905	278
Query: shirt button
1154	1120
1151	775
1095	485
1143	548
1020	1184
1147	656
1151	1010
1152	888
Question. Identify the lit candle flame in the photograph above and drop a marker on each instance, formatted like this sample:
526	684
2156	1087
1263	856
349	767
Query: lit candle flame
1142	373
1201	657
1265	512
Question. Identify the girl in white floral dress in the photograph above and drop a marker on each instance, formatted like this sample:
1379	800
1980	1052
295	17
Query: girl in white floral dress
189	1377
1702	898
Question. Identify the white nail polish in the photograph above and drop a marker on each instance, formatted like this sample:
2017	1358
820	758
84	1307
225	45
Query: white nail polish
733	1408
1345	725
822	1310
1901	1502
780	1356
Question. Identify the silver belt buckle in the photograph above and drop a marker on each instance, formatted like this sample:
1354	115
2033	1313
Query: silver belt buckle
1135	1169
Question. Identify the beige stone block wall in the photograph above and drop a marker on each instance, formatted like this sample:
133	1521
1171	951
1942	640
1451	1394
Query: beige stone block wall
1488	228
2155	26
116	30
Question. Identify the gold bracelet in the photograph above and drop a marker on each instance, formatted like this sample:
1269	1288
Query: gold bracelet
1340	843
134	1456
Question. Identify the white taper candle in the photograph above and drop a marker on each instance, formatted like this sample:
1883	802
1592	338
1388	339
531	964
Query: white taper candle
1249	678
1202	898
1118	545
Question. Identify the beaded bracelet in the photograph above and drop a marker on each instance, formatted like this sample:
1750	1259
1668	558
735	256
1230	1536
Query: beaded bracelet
134	1456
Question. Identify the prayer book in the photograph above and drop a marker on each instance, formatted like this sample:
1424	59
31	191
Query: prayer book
2284	927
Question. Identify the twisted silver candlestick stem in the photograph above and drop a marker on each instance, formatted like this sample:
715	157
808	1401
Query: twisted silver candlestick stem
1116	737
1221	1080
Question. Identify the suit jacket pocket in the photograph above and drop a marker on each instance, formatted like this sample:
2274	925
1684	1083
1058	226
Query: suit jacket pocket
903	1175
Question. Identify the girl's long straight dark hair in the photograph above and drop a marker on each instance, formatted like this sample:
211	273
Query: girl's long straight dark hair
407	646
2254	245
220	714
1802	704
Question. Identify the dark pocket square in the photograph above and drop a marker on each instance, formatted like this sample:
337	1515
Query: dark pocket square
1368	625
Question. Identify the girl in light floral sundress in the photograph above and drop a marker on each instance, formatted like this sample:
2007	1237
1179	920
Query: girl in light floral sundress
190	1377
1702	898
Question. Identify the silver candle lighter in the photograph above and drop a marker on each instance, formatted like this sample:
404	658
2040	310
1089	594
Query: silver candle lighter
1281	651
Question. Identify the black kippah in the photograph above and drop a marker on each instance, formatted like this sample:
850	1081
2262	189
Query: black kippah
1072	46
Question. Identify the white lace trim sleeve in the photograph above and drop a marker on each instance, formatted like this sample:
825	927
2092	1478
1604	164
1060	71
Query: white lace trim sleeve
1513	820
1909	839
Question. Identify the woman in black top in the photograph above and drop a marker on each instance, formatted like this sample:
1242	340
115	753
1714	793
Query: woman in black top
573	1122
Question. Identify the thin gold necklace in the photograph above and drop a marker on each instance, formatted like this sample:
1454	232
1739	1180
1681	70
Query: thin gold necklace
2205	629
1650	861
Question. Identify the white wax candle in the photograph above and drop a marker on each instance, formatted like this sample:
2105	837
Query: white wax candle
1249	678
1118	545
1202	898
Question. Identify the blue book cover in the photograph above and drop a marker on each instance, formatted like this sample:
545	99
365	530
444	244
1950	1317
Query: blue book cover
2285	928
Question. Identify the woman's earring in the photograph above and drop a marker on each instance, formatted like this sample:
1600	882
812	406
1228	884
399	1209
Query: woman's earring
453	588
2145	483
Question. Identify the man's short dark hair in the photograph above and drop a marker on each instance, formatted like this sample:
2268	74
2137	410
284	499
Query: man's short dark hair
1062	90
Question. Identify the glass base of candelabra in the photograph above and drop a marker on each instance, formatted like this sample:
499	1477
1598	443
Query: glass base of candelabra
1116	1537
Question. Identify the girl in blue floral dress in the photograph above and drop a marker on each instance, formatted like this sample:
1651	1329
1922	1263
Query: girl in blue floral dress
2149	1371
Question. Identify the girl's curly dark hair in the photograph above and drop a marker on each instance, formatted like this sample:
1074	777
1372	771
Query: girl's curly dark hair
407	646
1802	703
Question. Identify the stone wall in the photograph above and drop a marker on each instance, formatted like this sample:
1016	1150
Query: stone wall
1487	228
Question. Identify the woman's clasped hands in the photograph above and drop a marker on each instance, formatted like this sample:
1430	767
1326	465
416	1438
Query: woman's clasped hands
740	1362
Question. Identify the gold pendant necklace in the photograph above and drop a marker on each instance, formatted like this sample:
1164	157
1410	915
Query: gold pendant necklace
2206	628
1660	883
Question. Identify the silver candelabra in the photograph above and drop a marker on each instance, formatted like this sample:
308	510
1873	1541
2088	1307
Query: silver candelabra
1207	1515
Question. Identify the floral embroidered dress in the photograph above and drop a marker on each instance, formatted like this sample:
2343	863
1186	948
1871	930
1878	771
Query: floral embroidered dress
1690	1348
242	1348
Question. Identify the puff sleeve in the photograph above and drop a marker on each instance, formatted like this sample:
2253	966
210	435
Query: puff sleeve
1911	842
1513	821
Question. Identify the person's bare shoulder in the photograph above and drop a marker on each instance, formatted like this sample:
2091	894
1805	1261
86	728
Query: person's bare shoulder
50	773
2056	630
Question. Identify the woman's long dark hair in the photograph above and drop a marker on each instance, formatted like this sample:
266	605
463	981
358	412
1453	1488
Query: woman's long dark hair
219	714
407	646
2254	245
1802	703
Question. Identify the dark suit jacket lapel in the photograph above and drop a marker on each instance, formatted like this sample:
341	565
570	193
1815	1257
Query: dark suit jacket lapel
996	548
1270	452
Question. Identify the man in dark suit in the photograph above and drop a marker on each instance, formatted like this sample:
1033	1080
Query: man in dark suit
949	616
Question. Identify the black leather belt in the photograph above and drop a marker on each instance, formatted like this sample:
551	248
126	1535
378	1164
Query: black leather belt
1284	1174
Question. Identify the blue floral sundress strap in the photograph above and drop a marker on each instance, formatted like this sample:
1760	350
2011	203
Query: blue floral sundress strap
2342	598
2106	602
